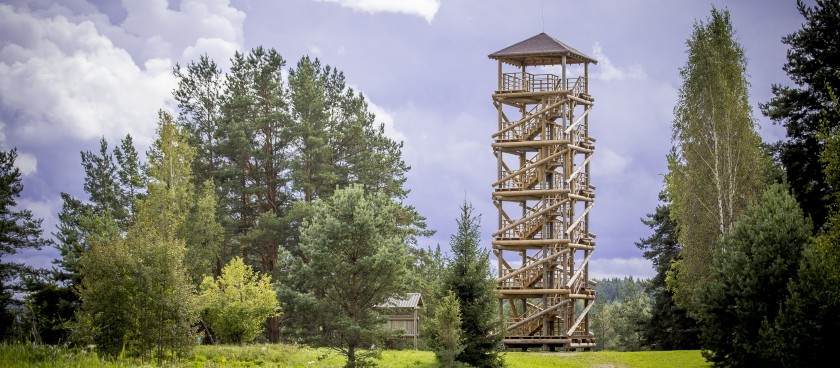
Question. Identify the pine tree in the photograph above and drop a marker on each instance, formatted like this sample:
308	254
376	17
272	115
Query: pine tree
468	278
357	260
716	166
758	257
812	60
113	189
807	328
200	95
18	230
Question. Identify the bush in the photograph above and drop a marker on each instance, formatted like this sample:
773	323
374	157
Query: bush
237	304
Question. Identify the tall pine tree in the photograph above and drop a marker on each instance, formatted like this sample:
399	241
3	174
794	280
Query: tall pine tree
812	59
743	293
18	230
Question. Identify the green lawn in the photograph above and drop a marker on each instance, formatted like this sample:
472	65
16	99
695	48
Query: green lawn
292	356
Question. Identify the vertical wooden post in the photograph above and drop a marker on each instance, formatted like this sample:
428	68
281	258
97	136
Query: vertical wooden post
563	77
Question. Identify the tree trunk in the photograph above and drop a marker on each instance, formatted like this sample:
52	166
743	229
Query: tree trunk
273	329
351	356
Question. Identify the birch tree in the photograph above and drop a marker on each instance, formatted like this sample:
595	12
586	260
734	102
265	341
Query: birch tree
716	165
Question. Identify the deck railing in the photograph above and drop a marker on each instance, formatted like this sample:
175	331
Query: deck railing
528	82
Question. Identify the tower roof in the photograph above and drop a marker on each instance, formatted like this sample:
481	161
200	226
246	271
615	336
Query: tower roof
541	49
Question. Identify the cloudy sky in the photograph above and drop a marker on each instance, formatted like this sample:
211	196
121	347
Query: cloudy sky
72	71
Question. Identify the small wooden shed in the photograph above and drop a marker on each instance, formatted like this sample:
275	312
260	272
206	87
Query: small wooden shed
402	315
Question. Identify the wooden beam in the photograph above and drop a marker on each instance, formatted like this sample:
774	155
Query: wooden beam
529	117
540	314
578	170
579	270
533	291
529	167
531	216
585	112
582	316
574	224
532	265
530	143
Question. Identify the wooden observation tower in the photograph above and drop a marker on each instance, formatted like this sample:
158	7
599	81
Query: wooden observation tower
544	194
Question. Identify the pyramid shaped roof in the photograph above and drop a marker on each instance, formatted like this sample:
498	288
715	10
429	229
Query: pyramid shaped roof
541	49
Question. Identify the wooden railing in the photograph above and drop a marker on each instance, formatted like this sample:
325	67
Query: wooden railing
527	82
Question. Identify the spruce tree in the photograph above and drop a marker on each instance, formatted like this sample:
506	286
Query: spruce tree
468	278
669	326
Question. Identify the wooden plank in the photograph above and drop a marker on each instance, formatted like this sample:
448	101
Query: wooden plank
529	167
556	142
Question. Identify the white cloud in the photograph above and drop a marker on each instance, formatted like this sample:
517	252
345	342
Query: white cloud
386	118
71	81
620	267
199	25
423	8
26	163
608	163
67	72
608	72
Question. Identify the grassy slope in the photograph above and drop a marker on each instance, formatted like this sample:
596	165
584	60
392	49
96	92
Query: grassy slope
290	356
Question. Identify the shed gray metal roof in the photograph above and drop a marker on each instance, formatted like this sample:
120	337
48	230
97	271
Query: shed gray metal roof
412	300
541	49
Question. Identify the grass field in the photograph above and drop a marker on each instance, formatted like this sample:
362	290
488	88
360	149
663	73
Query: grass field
291	356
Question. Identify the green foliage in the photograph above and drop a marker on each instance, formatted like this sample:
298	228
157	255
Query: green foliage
468	278
357	259
18	230
812	60
113	189
203	234
755	262
619	314
199	97
426	270
279	355
445	330
136	294
49	309
268	142
669	326
336	142
807	327
136	297
716	167
237	304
